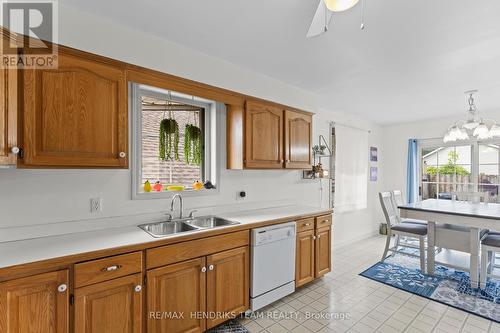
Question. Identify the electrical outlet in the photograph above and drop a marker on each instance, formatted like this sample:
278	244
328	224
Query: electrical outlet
95	205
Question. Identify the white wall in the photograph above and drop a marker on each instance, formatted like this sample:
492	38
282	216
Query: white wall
39	197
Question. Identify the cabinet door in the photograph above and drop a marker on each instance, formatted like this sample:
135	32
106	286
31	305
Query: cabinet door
298	140
176	293
8	115
227	285
75	115
263	136
304	259
34	304
323	251
114	306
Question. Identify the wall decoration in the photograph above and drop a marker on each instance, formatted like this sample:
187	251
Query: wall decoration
373	154
373	174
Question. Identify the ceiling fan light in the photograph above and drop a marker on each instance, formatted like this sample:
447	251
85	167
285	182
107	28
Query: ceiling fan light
481	129
340	5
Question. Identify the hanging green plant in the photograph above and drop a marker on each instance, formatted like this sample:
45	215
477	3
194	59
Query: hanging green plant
192	144
169	140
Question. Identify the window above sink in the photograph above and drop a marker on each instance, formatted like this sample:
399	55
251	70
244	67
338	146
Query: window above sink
174	143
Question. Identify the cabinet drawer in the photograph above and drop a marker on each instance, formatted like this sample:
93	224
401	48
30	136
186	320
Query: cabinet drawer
170	254
305	224
107	268
323	221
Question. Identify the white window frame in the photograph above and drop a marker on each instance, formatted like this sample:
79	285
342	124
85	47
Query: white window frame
431	143
212	140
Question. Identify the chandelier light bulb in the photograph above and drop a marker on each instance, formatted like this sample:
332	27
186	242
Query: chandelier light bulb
481	130
448	138
484	136
495	131
463	135
455	132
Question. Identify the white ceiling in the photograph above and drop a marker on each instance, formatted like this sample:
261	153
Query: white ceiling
413	60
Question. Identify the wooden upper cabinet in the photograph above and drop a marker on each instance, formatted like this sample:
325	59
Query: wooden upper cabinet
298	140
75	115
175	289
227	284
37	303
8	116
263	136
114	306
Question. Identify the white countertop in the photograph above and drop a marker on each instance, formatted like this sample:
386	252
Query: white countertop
37	249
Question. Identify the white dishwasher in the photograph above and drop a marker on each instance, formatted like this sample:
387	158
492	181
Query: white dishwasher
272	264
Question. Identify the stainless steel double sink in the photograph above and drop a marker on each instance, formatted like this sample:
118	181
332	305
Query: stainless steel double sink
166	228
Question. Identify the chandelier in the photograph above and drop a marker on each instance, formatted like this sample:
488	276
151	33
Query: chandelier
474	126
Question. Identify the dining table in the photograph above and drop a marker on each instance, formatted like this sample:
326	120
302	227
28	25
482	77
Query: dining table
475	215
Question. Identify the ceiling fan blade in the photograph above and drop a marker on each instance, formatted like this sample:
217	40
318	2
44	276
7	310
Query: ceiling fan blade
320	22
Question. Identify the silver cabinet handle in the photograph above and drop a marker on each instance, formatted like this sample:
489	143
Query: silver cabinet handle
211	267
62	288
15	150
319	236
314	237
307	224
138	288
203	269
122	154
111	268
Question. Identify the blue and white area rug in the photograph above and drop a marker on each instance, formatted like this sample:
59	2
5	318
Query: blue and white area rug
448	286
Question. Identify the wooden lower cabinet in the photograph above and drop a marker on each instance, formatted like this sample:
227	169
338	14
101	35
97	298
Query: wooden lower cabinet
304	260
323	252
175	292
38	303
227	285
313	251
113	306
198	294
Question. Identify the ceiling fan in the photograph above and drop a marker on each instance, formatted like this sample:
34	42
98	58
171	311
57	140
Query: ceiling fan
323	15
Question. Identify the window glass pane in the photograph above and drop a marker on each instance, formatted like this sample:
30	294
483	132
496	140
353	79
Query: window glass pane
175	169
446	170
489	170
429	190
488	154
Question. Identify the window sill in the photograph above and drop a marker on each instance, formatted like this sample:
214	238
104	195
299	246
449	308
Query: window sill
169	194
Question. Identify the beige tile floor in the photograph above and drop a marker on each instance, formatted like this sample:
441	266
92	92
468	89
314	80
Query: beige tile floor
351	303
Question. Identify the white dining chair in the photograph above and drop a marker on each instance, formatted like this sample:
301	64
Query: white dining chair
490	245
400	201
397	228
